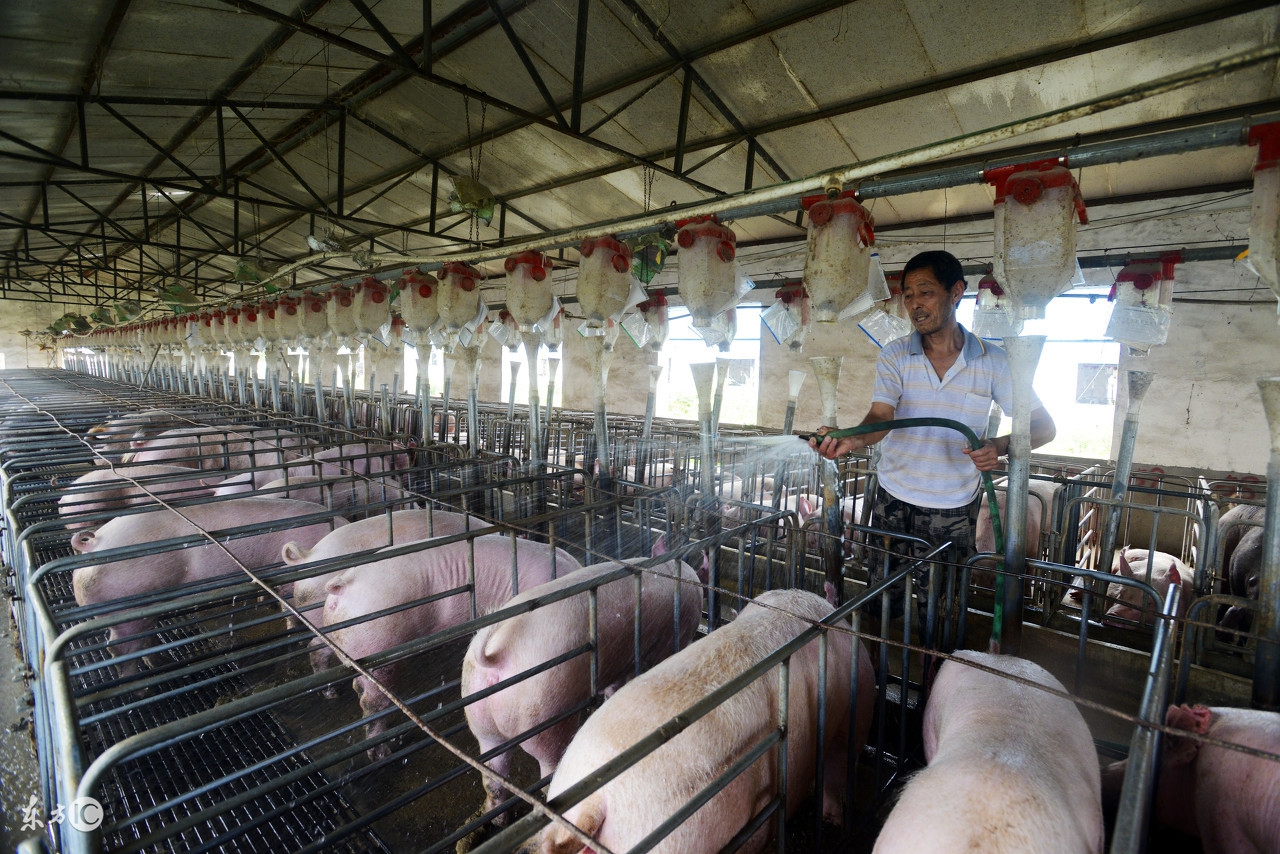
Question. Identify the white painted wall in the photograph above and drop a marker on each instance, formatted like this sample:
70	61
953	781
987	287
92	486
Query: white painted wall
1203	410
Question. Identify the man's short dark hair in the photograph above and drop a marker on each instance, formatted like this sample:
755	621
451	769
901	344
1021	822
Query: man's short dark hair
945	267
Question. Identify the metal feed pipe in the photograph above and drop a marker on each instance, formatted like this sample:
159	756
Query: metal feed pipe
1024	356
1138	383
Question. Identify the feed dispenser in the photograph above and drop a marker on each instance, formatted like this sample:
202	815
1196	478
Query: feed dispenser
418	308
788	318
384	362
506	331
721	331
529	288
417	303
372	308
648	328
708	278
995	316
551	328
1143	297
1036	209
289	331
604	282
837	262
1264	221
888	322
315	330
342	315
462	311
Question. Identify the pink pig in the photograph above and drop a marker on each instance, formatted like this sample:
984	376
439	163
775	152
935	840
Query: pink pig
366	535
132	576
1039	504
1231	800
1128	603
632	805
523	642
1011	768
394	581
221	448
114	489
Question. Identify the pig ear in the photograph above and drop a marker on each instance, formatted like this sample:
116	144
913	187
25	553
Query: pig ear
82	541
1195	719
804	508
1175	577
1125	569
1191	718
659	547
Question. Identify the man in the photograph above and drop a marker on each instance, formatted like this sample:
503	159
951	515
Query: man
927	487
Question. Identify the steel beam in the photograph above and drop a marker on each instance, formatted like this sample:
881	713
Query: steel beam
382	31
579	64
161	150
527	61
280	159
682	119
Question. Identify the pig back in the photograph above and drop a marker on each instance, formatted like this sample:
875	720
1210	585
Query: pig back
138	574
393	581
632	805
1011	768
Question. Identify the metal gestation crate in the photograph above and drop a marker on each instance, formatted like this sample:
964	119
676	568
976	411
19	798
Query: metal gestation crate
229	744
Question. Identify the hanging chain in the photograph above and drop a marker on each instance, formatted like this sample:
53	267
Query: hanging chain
475	152
471	150
479	147
647	174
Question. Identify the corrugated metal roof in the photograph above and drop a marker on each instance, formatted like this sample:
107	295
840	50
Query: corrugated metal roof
265	122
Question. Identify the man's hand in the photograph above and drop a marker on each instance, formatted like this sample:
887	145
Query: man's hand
835	448
985	458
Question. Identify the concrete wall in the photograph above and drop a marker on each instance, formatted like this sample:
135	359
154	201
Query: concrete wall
628	383
16	315
1203	410
857	375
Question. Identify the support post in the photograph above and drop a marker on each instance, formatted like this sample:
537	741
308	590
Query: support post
1266	668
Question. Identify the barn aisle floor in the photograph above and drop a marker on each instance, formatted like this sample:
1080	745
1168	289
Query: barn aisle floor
20	778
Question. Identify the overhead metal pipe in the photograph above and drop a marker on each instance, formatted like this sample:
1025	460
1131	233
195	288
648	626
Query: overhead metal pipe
786	196
1266	668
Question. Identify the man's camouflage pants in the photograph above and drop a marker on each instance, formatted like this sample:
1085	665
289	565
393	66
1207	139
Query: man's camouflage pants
934	526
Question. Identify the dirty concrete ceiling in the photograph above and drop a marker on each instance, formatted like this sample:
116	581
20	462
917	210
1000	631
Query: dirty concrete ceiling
150	142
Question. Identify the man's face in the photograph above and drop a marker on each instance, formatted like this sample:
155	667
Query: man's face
930	305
